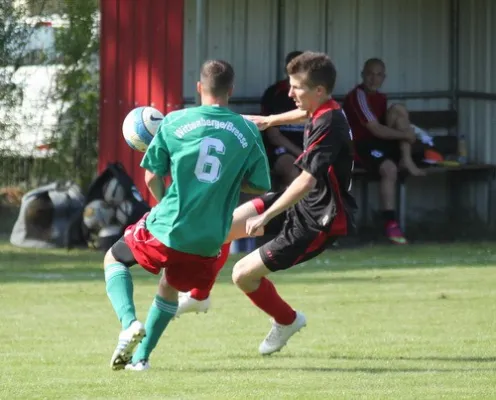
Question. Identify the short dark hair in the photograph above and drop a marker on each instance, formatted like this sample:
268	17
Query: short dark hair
217	77
317	67
291	55
372	61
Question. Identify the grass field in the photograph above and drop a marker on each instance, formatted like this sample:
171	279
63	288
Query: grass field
383	323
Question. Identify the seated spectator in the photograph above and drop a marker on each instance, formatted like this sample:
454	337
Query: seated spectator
383	139
284	143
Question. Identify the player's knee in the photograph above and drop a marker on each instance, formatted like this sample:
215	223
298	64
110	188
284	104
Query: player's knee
109	258
398	110
240	273
388	170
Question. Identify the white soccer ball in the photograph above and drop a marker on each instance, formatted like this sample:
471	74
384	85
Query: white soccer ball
140	125
113	192
97	214
123	212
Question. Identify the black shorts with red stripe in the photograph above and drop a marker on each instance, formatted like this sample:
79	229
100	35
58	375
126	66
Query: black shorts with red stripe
293	243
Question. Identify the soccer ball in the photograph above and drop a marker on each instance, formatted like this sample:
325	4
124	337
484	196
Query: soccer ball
139	127
113	192
97	214
123	212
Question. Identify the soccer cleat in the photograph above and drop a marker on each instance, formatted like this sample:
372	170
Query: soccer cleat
394	233
128	340
141	365
280	334
187	304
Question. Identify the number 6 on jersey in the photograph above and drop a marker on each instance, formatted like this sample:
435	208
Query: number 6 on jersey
208	166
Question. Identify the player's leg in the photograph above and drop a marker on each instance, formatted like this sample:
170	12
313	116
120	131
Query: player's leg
398	118
198	300
119	287
181	272
378	157
161	312
289	248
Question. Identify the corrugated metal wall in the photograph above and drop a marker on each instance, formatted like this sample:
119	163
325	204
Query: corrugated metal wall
137	69
412	36
243	32
477	63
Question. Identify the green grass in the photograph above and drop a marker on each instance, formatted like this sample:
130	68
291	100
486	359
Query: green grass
413	322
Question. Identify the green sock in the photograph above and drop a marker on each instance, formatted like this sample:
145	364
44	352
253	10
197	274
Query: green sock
159	315
120	292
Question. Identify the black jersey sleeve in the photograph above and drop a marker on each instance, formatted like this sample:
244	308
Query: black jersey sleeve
326	138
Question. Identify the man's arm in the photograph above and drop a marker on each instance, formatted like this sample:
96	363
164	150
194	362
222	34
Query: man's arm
298	189
369	120
257	176
385	132
155	184
278	139
296	116
156	163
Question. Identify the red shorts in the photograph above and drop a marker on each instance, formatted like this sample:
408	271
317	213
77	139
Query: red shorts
182	271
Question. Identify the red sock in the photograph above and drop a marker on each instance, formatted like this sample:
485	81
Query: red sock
267	299
202	294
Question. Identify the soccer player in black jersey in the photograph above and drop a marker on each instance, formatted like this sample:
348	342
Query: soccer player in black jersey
317	205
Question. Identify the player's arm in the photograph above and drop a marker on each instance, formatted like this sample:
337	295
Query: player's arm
297	190
296	116
369	120
385	132
156	162
257	176
155	185
278	139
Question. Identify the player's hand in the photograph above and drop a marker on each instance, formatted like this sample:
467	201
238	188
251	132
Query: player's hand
256	224
262	122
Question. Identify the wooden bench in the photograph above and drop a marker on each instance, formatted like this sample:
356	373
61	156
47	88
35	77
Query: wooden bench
448	146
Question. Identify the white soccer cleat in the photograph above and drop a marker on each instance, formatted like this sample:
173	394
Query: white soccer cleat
187	304
280	334
141	365
128	340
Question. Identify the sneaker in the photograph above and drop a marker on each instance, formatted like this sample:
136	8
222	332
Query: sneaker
141	365
187	304
280	334
128	340
394	233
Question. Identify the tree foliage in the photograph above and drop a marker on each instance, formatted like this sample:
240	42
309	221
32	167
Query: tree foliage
13	35
76	139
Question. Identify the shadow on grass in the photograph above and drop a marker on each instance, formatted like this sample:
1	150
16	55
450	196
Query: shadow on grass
323	356
79	265
366	370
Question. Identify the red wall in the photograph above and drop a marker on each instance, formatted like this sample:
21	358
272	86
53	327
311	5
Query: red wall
141	63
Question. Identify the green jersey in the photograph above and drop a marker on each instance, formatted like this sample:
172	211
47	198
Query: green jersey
209	152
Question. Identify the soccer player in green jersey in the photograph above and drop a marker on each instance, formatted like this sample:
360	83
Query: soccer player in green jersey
212	155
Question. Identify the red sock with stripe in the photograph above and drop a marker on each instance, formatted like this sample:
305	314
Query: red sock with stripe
267	299
202	294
